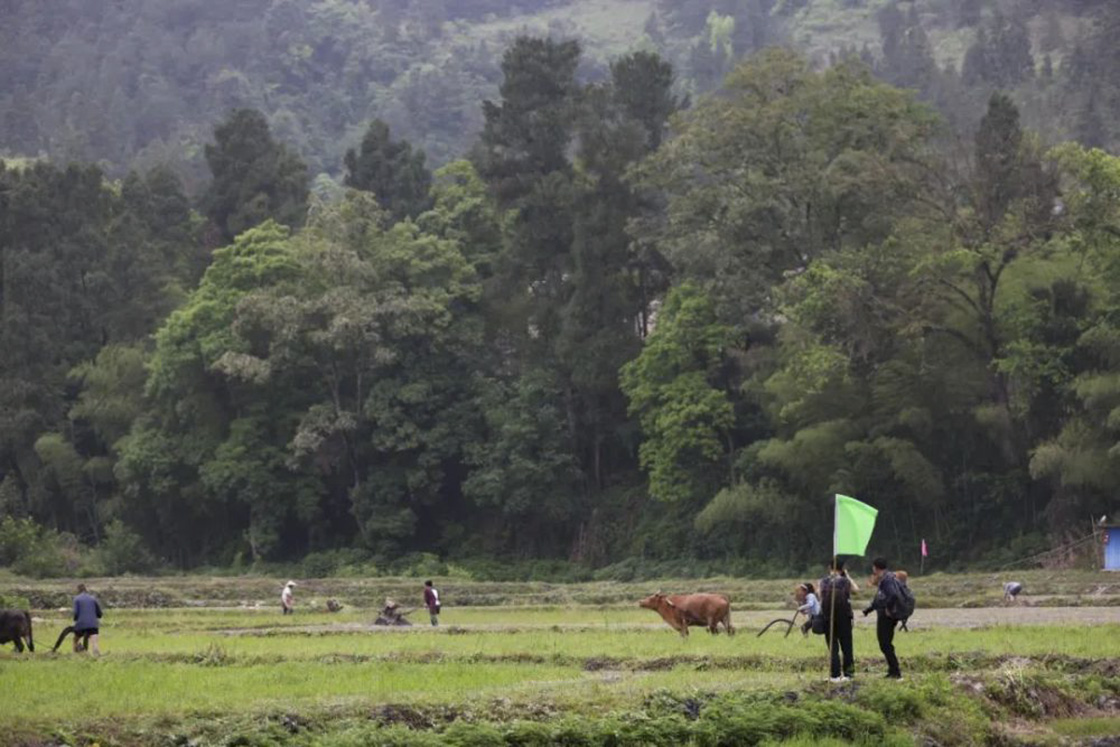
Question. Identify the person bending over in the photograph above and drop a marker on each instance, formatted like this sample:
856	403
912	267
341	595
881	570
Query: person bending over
808	603
87	622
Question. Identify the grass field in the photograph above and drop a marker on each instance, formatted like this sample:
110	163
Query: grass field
573	673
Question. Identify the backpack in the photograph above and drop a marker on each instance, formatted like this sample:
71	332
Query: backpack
843	605
819	624
904	605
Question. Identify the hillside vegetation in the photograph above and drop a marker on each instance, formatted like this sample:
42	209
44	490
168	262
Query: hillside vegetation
653	310
140	83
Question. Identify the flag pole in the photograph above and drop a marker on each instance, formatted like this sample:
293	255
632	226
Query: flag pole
832	589
832	613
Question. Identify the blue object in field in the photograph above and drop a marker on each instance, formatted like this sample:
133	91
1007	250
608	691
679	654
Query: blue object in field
1112	549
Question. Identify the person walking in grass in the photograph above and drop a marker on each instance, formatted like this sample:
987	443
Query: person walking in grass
431	601
836	590
87	621
886	603
288	599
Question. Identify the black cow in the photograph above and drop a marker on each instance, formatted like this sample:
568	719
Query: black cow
15	625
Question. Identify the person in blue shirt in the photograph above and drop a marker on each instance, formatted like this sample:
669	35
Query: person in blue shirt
87	620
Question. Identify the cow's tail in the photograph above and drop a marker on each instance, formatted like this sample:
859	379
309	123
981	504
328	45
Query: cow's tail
727	621
30	640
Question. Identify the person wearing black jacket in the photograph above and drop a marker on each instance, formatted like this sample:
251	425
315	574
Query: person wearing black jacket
836	590
885	604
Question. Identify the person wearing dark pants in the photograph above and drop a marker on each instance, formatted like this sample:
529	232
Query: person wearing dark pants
836	589
885	604
87	622
884	630
431	601
840	640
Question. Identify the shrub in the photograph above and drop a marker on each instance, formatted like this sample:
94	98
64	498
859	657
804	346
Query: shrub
12	602
123	551
34	551
345	561
18	538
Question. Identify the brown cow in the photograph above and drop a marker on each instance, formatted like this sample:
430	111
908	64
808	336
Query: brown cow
683	610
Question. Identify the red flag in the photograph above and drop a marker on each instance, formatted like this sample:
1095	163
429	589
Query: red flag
925	550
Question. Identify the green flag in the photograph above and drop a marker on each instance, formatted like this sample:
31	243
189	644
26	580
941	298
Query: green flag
854	523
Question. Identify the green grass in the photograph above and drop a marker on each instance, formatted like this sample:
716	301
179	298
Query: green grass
500	673
1104	726
933	591
52	690
588	642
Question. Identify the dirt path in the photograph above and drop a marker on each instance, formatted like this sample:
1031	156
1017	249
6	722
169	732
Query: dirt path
982	616
747	622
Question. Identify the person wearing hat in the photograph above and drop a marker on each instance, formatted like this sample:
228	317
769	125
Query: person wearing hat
287	598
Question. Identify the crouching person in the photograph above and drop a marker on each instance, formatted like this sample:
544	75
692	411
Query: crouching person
87	622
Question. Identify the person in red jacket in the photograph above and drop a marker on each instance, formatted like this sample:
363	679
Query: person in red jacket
431	601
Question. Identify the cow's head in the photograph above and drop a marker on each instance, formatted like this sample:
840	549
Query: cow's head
655	601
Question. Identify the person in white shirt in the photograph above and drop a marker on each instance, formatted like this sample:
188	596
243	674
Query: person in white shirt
287	598
431	601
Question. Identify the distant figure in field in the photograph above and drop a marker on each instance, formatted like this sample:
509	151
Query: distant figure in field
1011	591
392	614
431	601
287	598
87	621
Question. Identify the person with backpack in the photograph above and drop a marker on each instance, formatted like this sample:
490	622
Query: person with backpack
891	604
836	620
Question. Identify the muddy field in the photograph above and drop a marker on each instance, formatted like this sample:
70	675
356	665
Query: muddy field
212	665
747	623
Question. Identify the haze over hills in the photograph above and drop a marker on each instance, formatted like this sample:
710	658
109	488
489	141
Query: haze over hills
140	82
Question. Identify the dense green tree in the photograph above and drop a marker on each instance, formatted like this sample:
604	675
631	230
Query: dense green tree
673	388
83	265
254	178
526	135
643	87
1081	462
785	165
392	171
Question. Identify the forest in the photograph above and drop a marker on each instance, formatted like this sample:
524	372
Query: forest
354	285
